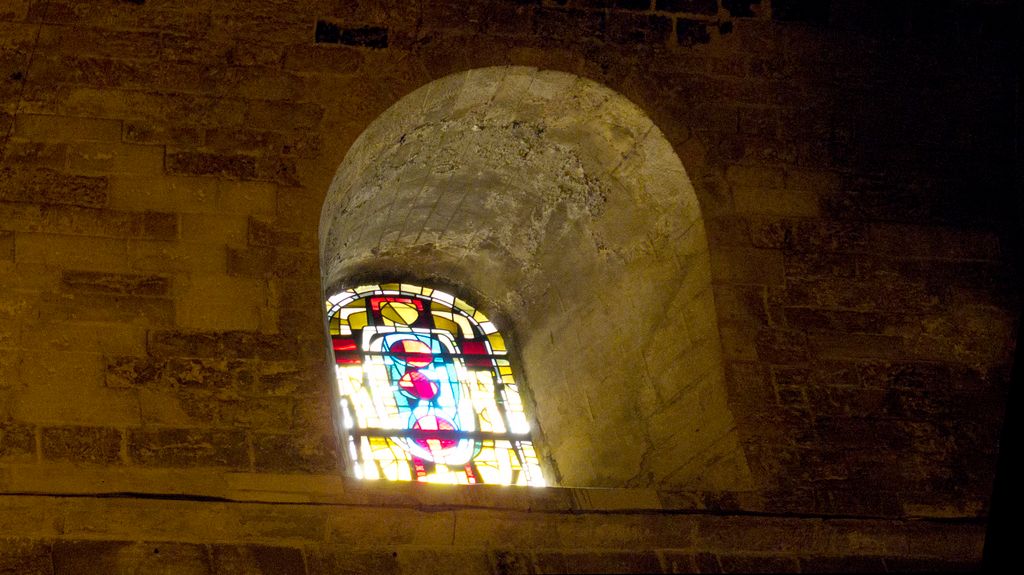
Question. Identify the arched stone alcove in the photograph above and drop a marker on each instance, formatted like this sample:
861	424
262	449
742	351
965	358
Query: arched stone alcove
560	208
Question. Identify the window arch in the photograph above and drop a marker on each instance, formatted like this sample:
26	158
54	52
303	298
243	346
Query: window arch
427	391
554	196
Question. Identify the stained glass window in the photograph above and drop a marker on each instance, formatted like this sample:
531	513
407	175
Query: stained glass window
427	390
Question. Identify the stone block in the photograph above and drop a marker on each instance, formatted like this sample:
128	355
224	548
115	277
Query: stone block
36	155
741	305
781	346
758	534
758	564
214	228
6	246
213	374
79	444
46	186
111	283
323	59
207	164
834	345
506	562
75	220
86	338
248	198
288	379
17	442
364	36
637	29
116	158
262	233
44	375
26	557
221	302
111	308
270	115
331	559
188	448
817	265
225	344
747	266
759	201
391	527
158	558
295	453
690	562
257	560
420	561
143	132
272	262
519	530
597	562
175	257
814	236
931	565
842	565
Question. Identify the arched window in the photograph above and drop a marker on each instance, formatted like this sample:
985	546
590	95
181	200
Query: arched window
427	390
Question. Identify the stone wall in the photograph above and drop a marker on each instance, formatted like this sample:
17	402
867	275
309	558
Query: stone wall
164	169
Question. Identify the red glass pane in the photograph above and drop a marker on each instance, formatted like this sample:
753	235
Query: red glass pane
343	343
413	352
419	385
471	348
432	423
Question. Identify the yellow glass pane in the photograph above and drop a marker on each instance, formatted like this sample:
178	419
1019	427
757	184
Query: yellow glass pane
357	321
462	305
445	323
497	342
399	313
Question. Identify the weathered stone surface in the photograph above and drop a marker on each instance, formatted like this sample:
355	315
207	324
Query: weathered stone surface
228	344
47	186
129	284
17	442
25	557
257	560
588	562
263	233
759	564
110	308
201	164
131	557
349	559
6	246
73	220
287	452
179	373
271	262
188	448
82	444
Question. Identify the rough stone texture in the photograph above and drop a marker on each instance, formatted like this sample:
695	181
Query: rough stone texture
86	534
82	444
819	324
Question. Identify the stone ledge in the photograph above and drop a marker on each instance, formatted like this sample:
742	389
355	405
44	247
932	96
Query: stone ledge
131	518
